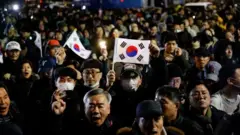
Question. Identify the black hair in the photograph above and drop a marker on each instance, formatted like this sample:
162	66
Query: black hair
174	71
27	61
91	63
229	25
153	25
99	26
75	63
227	72
2	85
66	71
170	37
198	82
170	92
111	32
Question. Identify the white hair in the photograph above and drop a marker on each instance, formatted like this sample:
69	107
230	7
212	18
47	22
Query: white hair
95	92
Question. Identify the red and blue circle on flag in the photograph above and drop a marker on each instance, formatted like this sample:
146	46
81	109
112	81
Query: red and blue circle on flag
131	51
76	47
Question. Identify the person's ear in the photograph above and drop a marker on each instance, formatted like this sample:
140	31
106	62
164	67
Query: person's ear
178	104
229	81
208	58
165	45
100	75
75	82
108	109
140	82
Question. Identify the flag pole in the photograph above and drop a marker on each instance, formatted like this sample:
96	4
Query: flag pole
110	84
113	65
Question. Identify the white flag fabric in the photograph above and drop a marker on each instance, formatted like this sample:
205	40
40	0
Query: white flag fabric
1	57
76	46
131	51
38	42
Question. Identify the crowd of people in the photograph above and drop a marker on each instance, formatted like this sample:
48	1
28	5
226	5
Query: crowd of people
191	85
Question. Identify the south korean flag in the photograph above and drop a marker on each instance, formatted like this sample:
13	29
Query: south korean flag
131	51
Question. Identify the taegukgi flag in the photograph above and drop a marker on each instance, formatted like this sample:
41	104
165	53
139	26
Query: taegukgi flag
76	46
131	51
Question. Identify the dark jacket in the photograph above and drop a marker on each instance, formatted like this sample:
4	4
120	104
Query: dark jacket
229	126
12	124
22	89
11	67
83	127
194	74
38	106
71	117
33	52
187	126
132	131
226	61
124	102
211	121
179	60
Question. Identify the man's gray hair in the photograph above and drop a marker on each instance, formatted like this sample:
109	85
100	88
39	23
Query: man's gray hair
95	92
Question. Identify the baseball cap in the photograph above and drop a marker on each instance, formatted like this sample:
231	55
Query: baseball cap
149	108
53	43
13	45
215	67
202	52
130	71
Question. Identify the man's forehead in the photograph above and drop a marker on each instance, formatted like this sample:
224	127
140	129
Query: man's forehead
200	87
164	98
64	77
92	69
171	42
97	99
3	92
154	27
176	78
177	26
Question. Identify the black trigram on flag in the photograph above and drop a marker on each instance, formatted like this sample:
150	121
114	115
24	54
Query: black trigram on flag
122	56
141	46
140	57
123	44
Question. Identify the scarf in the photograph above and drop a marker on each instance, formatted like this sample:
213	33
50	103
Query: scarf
205	121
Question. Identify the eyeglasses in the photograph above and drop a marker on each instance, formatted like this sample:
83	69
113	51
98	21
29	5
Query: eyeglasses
91	72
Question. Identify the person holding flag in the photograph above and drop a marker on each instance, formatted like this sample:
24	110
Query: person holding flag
127	92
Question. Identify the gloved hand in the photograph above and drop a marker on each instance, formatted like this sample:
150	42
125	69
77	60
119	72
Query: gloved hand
7	76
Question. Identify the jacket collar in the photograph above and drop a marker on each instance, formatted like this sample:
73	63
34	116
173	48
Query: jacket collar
164	132
107	124
175	122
